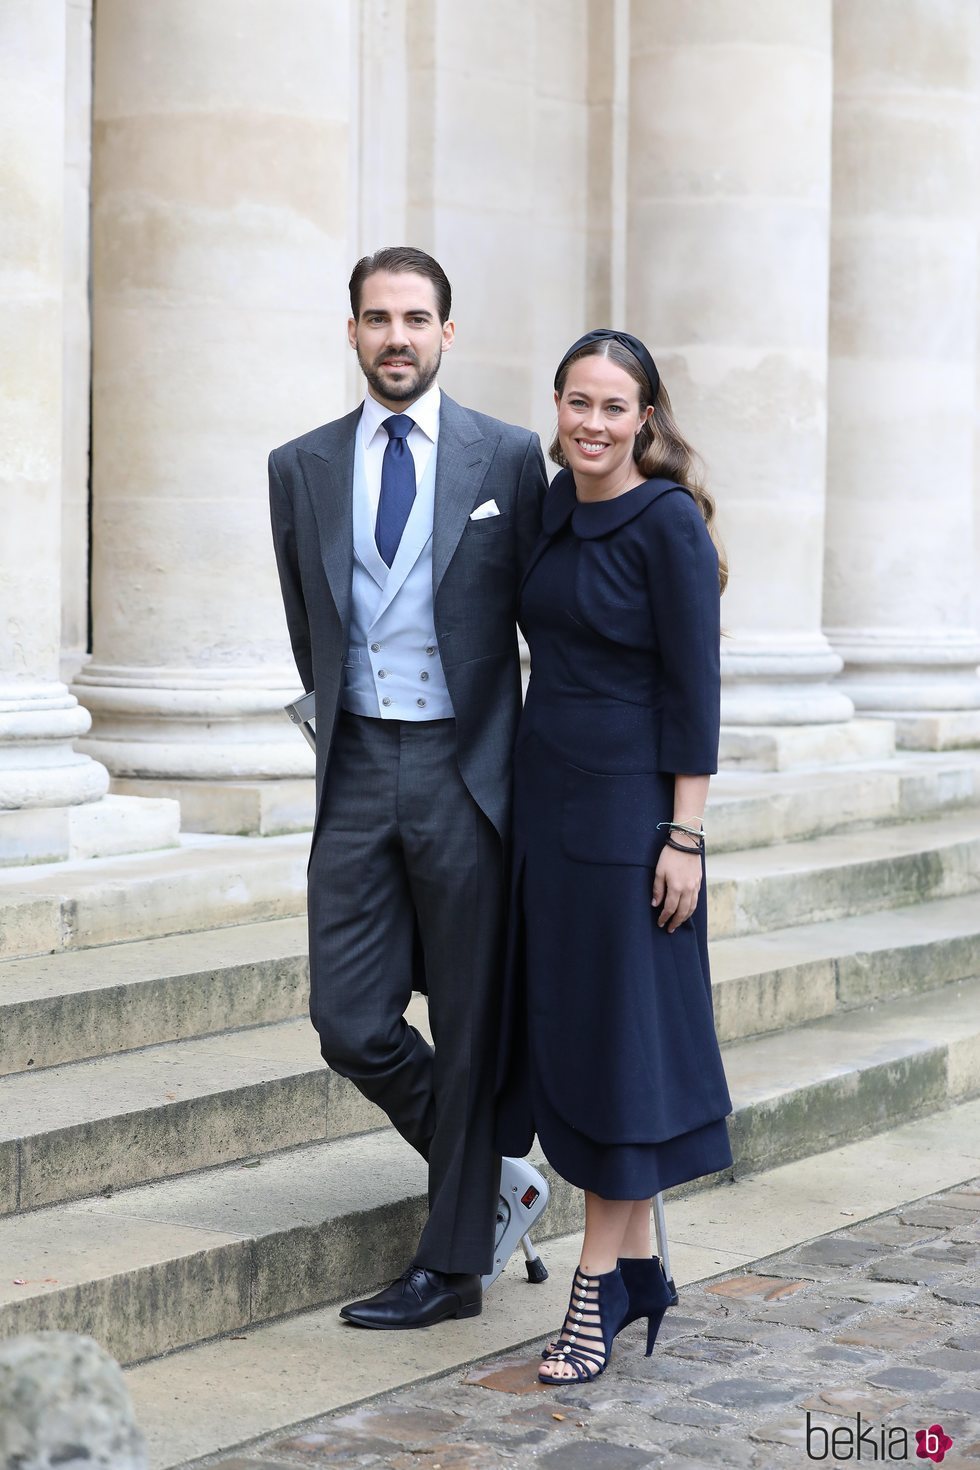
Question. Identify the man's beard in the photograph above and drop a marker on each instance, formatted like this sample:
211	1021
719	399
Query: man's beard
407	390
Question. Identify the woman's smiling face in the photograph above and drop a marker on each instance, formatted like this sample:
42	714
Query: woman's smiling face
598	419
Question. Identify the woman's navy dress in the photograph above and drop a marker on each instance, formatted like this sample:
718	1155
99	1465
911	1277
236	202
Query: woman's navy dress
608	1046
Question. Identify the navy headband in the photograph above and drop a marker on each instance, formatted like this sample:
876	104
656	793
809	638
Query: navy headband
632	344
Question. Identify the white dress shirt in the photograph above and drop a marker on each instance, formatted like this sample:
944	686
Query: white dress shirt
374	439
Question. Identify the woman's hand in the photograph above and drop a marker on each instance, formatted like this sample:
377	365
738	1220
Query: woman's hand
676	884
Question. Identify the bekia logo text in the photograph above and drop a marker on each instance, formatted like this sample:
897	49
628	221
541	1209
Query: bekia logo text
891	1442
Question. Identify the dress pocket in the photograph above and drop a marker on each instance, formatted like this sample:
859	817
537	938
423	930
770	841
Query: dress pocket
613	818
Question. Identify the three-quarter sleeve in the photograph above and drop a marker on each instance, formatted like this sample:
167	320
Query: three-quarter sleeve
682	569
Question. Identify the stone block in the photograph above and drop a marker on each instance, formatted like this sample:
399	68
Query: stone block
852	1401
30	925
908	1269
792	747
959	1295
34	835
891	1334
745	1393
9	1176
749	1287
122	824
905	1379
518	1376
63	1401
239	808
942	730
931	1216
837	1251
596	1454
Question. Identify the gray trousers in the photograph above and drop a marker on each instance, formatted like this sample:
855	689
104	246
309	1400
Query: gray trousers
406	869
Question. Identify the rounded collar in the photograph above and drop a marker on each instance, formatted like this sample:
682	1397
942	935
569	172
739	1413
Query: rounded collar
591	519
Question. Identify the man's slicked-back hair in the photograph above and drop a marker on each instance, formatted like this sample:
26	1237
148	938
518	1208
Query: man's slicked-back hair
400	260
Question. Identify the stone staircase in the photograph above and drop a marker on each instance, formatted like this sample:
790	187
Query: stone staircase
177	1164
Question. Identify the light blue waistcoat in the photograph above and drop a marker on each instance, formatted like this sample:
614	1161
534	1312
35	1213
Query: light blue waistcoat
393	668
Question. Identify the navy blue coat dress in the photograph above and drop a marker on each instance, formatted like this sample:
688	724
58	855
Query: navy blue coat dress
608	1046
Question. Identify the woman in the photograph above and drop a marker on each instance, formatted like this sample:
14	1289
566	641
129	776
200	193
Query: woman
608	1050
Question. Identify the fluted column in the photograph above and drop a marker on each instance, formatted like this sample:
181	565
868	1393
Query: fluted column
497	169
39	718
899	590
727	279
220	264
77	338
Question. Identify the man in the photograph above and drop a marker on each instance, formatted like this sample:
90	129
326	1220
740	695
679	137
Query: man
401	532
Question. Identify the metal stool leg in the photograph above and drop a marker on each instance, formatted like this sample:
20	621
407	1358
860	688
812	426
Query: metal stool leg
537	1271
660	1224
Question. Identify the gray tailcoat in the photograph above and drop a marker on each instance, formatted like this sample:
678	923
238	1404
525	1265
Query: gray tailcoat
476	571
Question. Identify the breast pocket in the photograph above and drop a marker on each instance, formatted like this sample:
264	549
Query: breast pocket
488	526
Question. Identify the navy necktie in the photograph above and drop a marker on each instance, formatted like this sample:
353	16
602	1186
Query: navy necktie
397	486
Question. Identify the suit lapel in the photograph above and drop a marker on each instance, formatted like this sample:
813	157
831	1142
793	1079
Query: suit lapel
328	470
462	457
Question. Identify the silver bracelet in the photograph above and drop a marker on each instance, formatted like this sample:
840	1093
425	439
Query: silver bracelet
680	827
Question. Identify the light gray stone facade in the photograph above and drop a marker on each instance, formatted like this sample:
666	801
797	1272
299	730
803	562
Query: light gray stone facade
782	200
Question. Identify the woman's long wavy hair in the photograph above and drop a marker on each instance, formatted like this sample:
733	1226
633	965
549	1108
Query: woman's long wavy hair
660	449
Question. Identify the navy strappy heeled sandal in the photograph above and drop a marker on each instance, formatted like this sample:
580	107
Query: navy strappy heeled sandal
648	1291
649	1295
595	1313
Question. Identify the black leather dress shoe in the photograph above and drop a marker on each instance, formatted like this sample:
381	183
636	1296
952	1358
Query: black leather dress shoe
419	1298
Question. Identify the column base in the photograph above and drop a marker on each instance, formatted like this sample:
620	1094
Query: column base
789	747
945	729
237	808
113	826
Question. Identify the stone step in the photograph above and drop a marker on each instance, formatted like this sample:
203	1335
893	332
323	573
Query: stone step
846	873
813	1087
87	1127
107	1123
208	882
75	1003
162	1265
771	981
67	1007
204	883
756	809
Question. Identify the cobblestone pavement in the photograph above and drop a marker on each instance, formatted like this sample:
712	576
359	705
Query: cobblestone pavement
872	1330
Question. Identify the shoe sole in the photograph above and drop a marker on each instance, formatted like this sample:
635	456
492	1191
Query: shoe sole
464	1312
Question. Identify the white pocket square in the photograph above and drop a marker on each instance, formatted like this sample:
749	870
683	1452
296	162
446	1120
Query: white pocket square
482	512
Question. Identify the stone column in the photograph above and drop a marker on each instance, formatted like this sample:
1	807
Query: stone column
77	339
903	346
220	263
41	775
497	173
727	280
